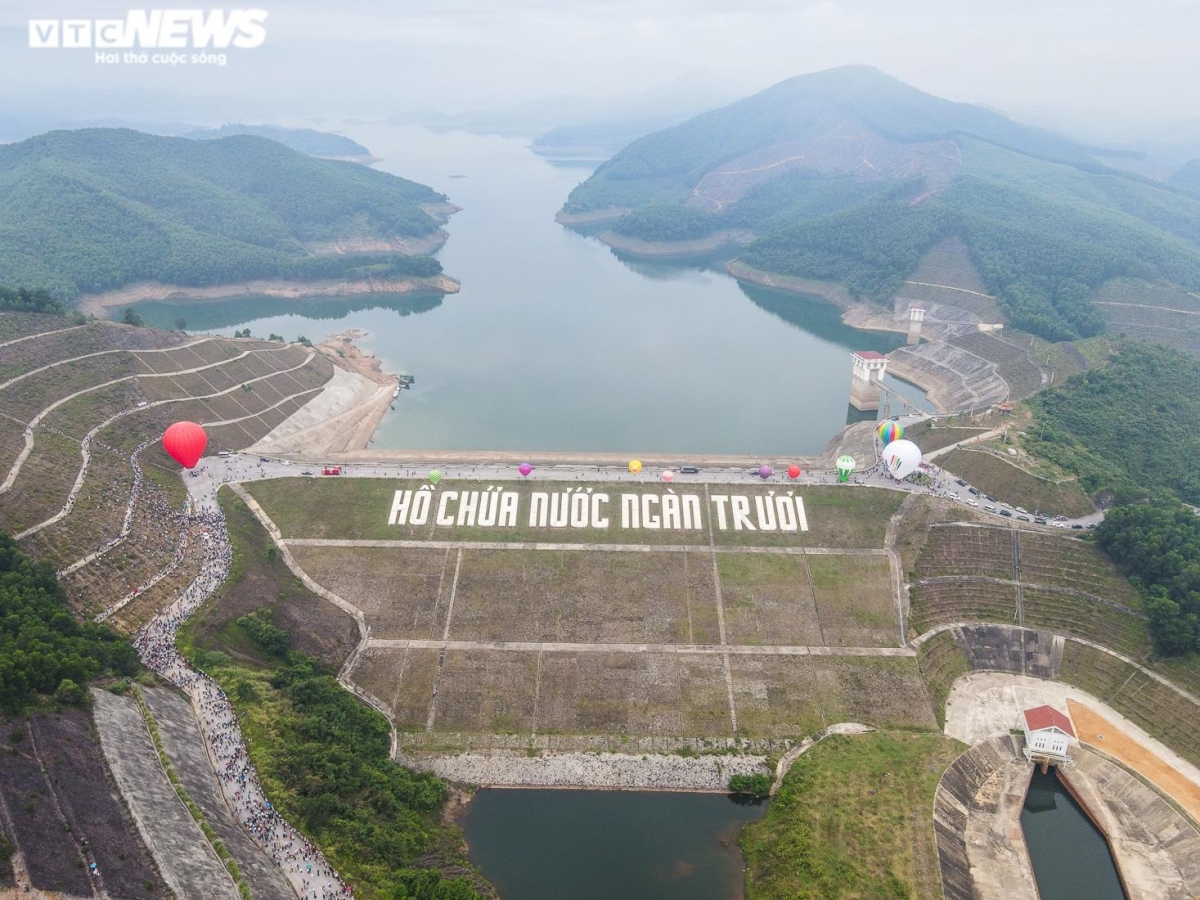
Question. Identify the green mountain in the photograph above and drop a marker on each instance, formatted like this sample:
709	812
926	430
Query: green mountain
306	140
97	209
850	175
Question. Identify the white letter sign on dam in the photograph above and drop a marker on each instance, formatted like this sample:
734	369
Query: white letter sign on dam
577	509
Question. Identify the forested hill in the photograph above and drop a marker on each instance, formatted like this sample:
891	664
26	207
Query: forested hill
306	140
850	175
96	209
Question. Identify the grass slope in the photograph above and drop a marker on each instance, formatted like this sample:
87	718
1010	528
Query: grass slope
96	209
323	755
852	820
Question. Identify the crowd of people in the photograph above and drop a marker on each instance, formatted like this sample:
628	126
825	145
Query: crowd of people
300	861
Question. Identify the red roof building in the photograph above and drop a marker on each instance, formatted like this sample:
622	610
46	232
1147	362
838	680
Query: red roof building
1048	717
1048	735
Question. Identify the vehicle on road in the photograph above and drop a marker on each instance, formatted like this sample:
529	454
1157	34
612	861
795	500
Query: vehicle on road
306	472
689	470
332	470
1006	512
264	459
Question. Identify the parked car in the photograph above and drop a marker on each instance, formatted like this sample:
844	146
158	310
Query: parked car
989	498
1006	512
1039	521
689	470
989	507
1077	527
1023	518
974	491
960	482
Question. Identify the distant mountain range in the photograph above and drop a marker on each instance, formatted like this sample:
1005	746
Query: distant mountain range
849	175
97	209
304	140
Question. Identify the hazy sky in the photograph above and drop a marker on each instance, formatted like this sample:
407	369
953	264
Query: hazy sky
1096	57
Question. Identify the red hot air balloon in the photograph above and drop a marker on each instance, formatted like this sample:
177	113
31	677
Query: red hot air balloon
793	471
185	441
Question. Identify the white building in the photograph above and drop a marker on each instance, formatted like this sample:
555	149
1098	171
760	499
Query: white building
1048	735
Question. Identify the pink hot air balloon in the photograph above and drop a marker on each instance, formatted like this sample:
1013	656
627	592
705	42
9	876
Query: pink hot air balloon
668	476
525	468
793	471
764	472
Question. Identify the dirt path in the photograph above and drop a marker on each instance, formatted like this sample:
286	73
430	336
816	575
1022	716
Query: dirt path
1096	731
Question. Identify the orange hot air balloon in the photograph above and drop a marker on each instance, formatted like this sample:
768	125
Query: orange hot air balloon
185	441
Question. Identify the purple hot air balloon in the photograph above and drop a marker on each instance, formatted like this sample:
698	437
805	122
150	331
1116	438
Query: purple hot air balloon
764	472
524	468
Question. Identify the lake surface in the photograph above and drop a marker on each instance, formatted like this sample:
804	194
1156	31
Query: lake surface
597	845
555	343
1069	854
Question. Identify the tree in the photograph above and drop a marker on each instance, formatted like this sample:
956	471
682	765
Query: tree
181	324
758	784
129	317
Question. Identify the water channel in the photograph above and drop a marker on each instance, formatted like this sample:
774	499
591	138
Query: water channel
1069	854
596	845
556	343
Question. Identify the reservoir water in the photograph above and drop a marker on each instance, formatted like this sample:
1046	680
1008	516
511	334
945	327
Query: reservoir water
597	845
555	343
1069	854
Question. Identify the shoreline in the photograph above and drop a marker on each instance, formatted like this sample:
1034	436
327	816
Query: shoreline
183	296
668	250
659	772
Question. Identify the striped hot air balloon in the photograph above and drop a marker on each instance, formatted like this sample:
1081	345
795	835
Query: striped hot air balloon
889	431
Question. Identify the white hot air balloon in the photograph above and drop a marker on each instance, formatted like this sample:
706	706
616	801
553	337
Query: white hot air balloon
901	458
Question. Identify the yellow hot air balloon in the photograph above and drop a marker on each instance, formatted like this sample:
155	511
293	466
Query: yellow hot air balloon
635	466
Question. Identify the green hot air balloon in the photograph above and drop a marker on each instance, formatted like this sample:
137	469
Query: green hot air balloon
845	465
435	475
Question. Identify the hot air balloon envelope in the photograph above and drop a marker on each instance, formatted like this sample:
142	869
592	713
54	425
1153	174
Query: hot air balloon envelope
185	441
435	475
635	466
524	468
793	471
845	465
889	431
668	476
901	458
764	471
